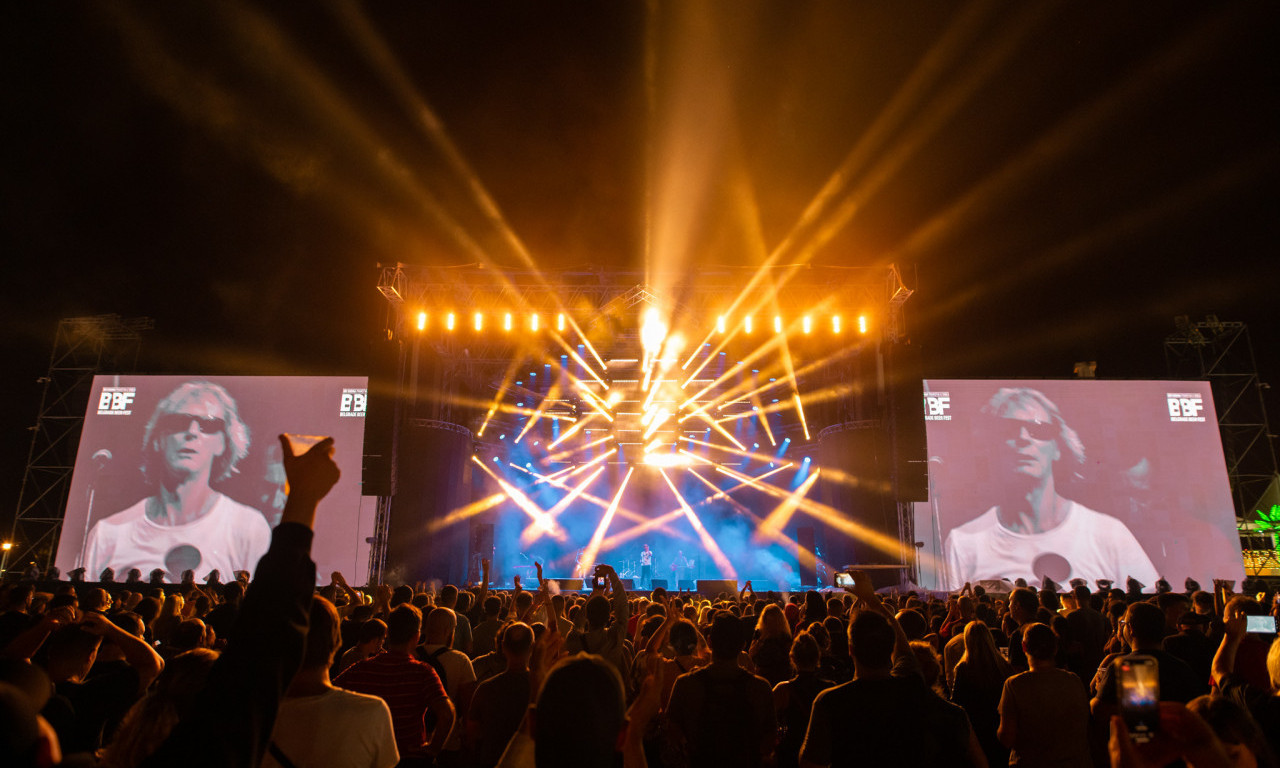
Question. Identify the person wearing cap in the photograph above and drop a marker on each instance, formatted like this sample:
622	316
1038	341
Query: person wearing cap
1033	530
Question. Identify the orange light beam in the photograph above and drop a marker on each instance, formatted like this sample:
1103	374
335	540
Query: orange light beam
764	457
597	405
547	478
695	457
764	420
593	547
578	358
781	515
772	341
462	513
708	543
699	348
790	544
557	456
591	463
602	504
800	410
725	494
754	482
587	343
711	422
534	531
507	378
638	530
832	517
577	425
548	524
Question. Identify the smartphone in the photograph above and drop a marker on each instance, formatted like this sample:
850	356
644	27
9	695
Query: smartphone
844	579
1265	625
597	582
1139	691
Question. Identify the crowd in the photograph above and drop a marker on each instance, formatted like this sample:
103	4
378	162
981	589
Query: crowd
274	672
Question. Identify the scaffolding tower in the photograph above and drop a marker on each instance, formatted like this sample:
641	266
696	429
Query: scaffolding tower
82	348
1221	353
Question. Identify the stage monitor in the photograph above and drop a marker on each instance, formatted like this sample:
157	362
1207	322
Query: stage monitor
185	472
1075	479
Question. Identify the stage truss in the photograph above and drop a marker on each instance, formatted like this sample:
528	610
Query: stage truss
605	405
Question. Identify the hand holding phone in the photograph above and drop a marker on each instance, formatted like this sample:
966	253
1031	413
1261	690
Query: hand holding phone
1262	625
1139	692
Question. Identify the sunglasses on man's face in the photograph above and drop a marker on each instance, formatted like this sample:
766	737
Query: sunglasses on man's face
181	422
1011	429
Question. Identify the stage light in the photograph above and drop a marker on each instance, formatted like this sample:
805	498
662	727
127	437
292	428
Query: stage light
450	321
719	325
777	323
746	324
862	323
422	320
808	326
533	322
835	323
506	322
479	322
560	323
652	332
665	459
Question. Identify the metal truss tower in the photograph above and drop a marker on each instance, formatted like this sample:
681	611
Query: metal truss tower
1222	353
82	347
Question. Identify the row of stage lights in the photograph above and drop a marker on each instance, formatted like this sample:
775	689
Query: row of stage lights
453	321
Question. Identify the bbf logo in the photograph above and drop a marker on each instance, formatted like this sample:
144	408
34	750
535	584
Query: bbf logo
354	402
936	406
116	401
1185	406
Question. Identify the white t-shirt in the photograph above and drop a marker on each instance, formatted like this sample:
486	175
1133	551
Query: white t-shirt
336	729
457	671
1095	546
230	537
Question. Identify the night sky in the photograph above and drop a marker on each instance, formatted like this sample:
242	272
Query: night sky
1057	180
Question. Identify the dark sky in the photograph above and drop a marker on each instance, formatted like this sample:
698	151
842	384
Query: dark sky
1058	180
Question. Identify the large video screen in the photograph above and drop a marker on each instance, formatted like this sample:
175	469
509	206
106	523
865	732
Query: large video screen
1075	479
185	472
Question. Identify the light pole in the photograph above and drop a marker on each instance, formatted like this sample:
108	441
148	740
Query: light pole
4	558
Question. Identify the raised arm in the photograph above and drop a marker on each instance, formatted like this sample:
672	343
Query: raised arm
866	593
336	578
230	724
137	653
1225	659
659	638
27	644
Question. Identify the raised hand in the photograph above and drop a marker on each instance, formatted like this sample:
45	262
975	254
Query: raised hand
311	475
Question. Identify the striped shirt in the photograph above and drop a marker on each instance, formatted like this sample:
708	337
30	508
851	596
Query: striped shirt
407	685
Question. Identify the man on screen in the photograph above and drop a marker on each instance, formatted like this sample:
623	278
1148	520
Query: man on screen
1033	531
195	437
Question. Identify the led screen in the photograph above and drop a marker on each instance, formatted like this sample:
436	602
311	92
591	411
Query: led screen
1075	479
184	472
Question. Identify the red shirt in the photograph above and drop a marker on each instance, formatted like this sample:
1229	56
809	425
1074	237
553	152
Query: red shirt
407	685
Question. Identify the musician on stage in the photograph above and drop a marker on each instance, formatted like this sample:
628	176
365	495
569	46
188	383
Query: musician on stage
680	568
646	566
